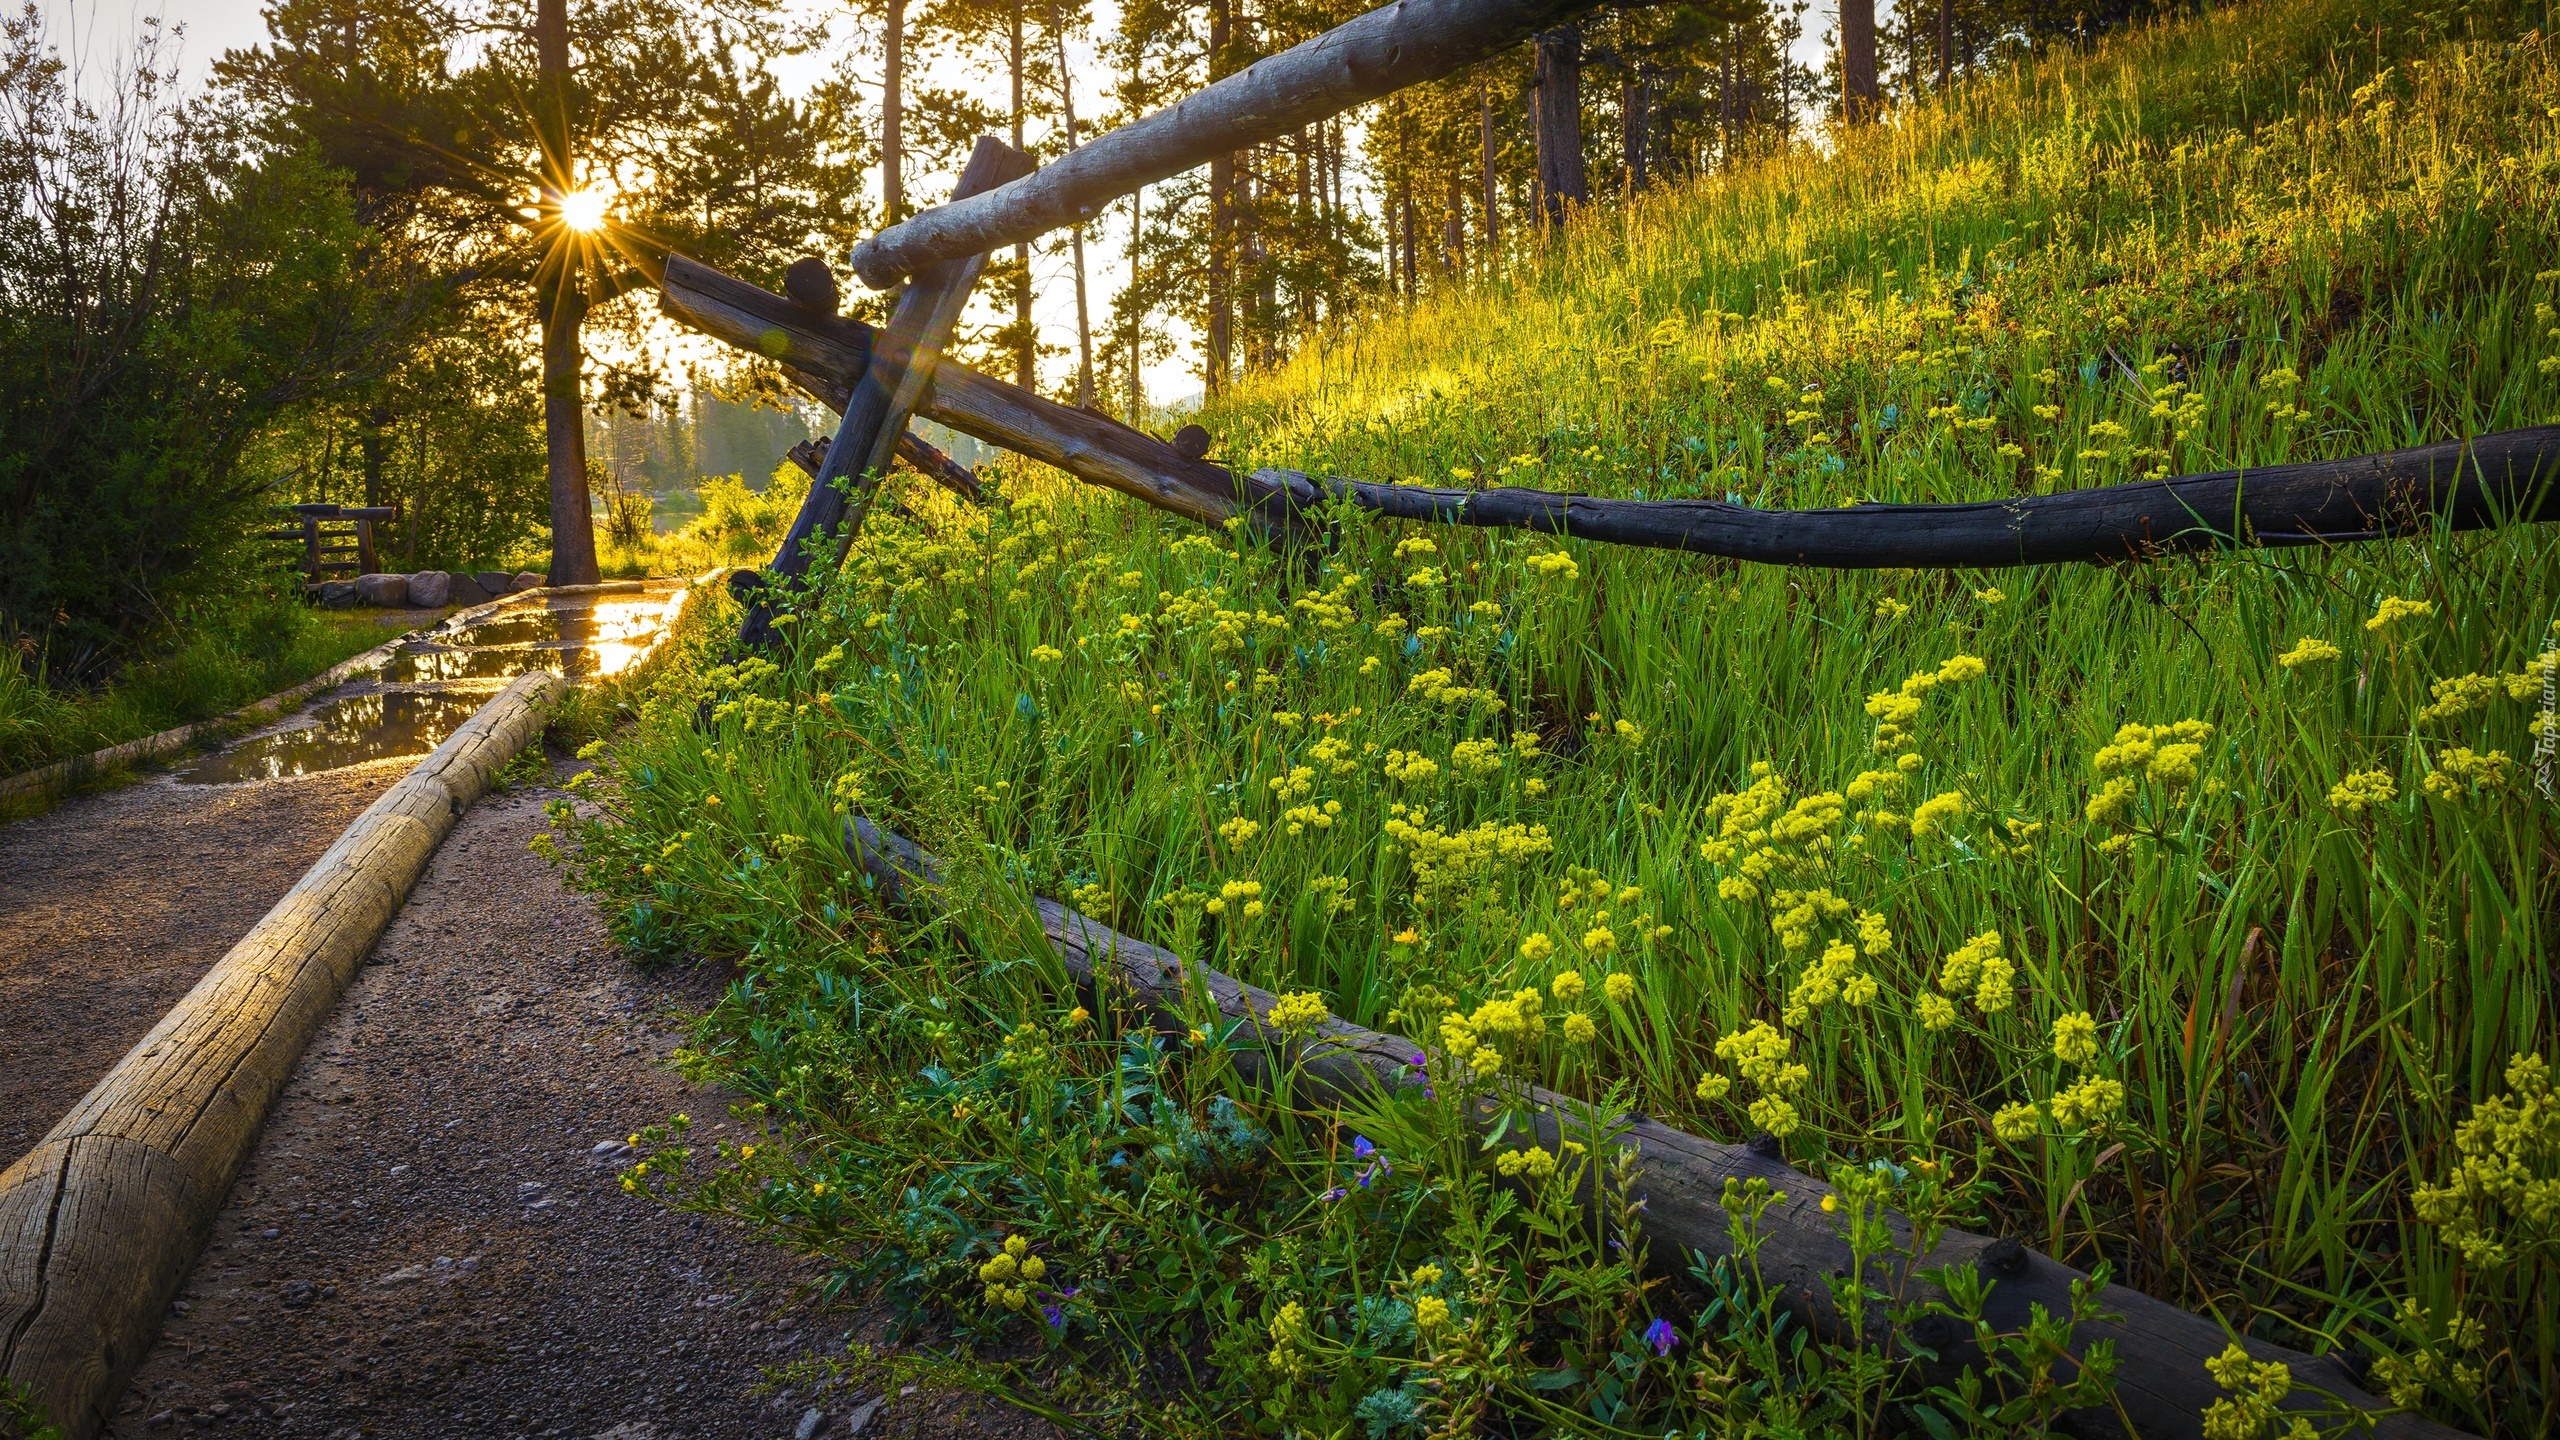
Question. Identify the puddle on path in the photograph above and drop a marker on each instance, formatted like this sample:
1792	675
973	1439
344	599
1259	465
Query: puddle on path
344	732
429	687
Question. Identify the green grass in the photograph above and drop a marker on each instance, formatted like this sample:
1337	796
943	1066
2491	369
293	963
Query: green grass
2291	231
218	664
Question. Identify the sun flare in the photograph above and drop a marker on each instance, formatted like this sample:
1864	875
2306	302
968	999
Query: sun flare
584	210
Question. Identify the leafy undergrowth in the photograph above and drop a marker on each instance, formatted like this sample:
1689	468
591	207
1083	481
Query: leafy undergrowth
216	664
2186	918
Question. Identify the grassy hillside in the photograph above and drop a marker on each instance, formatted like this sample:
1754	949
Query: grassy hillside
2192	916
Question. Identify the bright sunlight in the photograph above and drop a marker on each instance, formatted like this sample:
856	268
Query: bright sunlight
584	210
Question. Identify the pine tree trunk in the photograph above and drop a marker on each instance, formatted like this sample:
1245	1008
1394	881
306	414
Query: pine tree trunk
1946	43
1635	100
1137	312
1222	179
1026	356
1492	197
1561	180
893	113
1858	59
1084	324
563	310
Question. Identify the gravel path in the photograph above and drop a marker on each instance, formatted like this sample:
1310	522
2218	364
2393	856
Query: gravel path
113	903
429	1240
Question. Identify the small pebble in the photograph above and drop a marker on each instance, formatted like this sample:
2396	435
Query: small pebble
269	1233
810	1420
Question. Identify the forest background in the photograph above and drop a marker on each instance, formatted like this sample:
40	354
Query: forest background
309	256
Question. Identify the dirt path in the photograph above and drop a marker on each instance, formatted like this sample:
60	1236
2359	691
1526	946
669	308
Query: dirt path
114	902
431	1240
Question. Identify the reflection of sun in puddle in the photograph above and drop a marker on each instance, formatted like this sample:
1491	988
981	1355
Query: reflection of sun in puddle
343	732
581	641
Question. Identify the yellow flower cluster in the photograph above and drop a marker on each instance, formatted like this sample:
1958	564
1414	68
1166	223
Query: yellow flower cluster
1533	1164
2506	1175
2171	756
1246	893
1411	767
1759	837
1446	864
1014	1262
1760	1054
2363	788
2247	1414
1441	687
2458	696
1295	1014
1285	1357
1895	711
2463	772
1238	831
2393	610
1552	565
1979	967
2309	650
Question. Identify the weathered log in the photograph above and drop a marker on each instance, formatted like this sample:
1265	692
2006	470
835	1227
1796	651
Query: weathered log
825	354
2502	478
2160	1380
902	360
1383	51
2499	479
102	1219
811	456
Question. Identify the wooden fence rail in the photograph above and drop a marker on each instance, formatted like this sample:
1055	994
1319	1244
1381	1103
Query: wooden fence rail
1377	54
2505	478
2160	1379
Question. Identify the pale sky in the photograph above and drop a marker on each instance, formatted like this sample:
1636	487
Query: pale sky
95	33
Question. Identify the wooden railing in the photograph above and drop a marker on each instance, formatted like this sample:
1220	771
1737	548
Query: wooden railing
334	537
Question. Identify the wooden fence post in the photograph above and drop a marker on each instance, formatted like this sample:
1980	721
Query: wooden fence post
902	360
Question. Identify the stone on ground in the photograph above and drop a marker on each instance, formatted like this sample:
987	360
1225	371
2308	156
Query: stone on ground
528	580
496	582
430	589
465	589
337	594
382	589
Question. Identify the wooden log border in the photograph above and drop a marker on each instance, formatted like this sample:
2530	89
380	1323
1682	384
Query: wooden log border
2160	1379
102	1220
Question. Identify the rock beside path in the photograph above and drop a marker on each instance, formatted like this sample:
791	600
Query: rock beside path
496	582
528	580
382	589
461	589
430	589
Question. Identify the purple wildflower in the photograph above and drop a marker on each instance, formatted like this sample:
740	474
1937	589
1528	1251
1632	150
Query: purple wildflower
1361	1149
1336	1193
1661	1336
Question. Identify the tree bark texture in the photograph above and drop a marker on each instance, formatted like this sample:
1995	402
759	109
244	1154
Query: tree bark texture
1858	59
561	299
893	111
1557	64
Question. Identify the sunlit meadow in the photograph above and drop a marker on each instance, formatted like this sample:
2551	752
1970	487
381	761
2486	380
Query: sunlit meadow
2189	917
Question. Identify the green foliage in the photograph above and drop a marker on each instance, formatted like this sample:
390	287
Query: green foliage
22	1415
229	650
2195	908
160	300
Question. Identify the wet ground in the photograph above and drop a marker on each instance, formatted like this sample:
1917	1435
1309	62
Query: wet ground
430	1239
425	690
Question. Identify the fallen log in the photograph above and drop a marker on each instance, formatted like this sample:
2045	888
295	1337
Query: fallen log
2509	477
2498	479
1379	53
2160	1381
